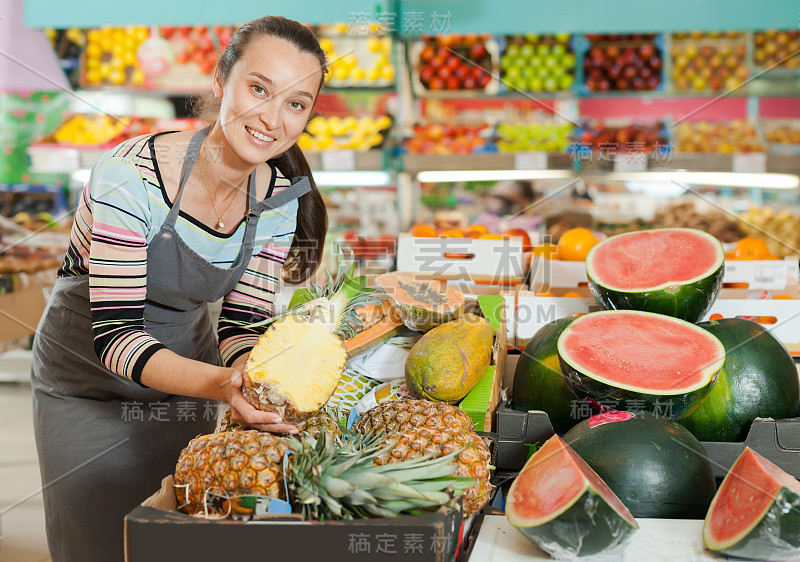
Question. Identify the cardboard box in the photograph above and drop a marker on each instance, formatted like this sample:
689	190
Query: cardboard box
156	532
498	262
776	440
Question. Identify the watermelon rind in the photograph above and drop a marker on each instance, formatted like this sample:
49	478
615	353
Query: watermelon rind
539	383
653	465
674	403
688	300
758	380
586	524
774	533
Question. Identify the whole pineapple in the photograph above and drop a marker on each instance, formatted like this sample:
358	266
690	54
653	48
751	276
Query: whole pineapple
473	460
407	413
295	366
326	480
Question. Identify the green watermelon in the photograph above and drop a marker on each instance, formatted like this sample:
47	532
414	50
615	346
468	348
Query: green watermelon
561	505
756	512
654	466
539	383
758	380
672	271
631	360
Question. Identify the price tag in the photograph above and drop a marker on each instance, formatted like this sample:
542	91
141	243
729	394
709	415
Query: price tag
750	163
630	162
533	160
338	160
770	276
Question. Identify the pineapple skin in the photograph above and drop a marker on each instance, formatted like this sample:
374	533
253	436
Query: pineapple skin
314	425
407	414
473	461
238	462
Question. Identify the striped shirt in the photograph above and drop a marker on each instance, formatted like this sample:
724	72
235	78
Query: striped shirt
115	221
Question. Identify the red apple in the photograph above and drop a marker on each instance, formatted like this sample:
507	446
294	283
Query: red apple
437	83
426	73
452	61
647	50
427	54
477	51
444	72
453	83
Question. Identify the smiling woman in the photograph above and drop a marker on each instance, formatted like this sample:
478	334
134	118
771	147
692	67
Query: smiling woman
126	366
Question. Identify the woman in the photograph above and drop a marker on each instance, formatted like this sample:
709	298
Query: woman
167	223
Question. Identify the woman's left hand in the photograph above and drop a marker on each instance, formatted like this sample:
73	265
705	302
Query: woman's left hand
244	413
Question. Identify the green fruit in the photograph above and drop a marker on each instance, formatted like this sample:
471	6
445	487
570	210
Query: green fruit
757	380
539	383
654	466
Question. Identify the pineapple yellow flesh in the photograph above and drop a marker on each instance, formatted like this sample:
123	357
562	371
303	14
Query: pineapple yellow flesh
294	368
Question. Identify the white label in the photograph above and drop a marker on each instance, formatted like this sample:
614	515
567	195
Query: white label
533	160
630	162
338	160
750	163
54	160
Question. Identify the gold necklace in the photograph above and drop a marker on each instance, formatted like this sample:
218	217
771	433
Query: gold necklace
220	216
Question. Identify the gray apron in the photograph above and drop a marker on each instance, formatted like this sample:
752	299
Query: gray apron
105	442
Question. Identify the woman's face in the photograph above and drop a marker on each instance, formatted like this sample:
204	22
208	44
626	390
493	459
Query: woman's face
267	98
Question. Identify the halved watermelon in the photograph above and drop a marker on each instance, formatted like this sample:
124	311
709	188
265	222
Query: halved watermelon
655	466
539	383
561	505
424	303
631	360
672	271
758	380
756	512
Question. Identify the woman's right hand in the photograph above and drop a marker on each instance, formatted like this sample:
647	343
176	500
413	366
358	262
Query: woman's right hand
244	413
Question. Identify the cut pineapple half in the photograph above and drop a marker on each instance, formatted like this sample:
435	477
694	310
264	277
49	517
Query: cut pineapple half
294	368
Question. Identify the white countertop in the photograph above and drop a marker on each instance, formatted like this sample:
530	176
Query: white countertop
657	540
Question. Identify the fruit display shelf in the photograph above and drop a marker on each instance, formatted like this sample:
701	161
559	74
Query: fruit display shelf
356	60
708	62
534	63
624	63
774	49
454	66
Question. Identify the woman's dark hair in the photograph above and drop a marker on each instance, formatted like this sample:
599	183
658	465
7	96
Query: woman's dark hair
305	254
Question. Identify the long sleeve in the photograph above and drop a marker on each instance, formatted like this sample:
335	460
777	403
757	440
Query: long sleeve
118	267
251	300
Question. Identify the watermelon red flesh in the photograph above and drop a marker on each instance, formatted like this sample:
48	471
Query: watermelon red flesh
756	511
560	504
677	272
628	358
683	255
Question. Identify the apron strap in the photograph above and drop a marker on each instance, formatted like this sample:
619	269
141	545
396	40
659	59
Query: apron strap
294	191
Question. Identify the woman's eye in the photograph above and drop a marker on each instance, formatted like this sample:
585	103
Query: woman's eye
258	89
297	105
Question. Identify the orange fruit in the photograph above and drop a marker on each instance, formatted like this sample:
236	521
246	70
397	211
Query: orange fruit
573	294
715	316
526	240
751	248
422	231
490	236
547	251
782	297
545	294
479	228
574	244
472	233
451	233
772	257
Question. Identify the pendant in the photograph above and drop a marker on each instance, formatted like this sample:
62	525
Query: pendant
220	224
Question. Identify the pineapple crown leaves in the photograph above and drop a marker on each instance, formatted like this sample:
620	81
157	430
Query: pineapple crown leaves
333	303
328	481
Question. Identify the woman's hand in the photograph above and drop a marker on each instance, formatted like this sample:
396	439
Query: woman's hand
244	413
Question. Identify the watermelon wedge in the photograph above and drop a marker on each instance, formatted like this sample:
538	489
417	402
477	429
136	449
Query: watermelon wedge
562	506
640	361
654	466
756	512
672	271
